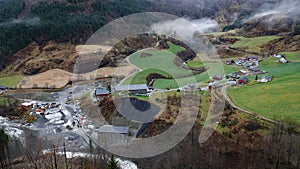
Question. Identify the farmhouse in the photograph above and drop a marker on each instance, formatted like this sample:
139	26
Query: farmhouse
3	88
242	72
101	92
254	69
243	80
283	60
265	79
277	55
137	89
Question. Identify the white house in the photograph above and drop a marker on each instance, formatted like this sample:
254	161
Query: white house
283	60
277	55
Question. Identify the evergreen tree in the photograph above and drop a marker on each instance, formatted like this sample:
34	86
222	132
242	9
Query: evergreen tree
113	164
4	154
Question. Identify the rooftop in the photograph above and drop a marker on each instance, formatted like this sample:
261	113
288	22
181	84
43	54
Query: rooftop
131	87
113	129
100	91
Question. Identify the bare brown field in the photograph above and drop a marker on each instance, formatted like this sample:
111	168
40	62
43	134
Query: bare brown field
57	78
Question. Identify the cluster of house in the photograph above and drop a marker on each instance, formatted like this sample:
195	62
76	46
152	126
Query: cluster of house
282	58
249	61
39	108
134	89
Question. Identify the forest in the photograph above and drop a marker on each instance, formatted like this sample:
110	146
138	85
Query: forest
57	21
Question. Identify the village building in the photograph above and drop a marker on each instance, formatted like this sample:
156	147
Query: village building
283	60
113	135
254	70
217	78
243	80
252	58
114	129
3	88
242	72
101	92
136	89
278	55
265	79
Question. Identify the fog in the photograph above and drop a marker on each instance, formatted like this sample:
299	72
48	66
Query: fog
289	8
185	28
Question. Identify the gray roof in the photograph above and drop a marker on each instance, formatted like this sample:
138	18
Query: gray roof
101	91
252	57
244	78
113	129
131	87
3	87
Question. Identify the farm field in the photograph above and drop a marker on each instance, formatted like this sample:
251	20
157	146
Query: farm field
252	44
278	99
161	62
213	69
159	59
10	81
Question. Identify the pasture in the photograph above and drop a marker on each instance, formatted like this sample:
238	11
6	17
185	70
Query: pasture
10	81
252	44
278	99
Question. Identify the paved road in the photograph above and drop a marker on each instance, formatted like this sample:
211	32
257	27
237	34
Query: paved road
224	88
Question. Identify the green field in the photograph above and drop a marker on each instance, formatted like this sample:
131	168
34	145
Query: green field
278	99
11	81
252	44
140	77
292	56
195	64
161	62
160	59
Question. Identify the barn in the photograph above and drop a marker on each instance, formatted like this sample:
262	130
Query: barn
113	135
136	89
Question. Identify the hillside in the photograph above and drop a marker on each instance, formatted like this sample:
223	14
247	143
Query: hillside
73	21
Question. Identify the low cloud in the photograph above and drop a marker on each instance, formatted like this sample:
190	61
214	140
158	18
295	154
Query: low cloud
185	28
289	8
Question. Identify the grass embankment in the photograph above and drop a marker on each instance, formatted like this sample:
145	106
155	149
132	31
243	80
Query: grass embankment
278	99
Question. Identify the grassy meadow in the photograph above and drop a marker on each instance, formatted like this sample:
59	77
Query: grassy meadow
10	81
278	99
252	44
